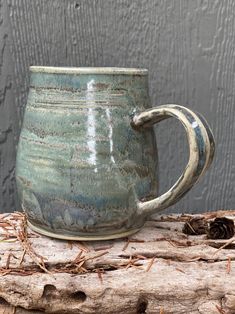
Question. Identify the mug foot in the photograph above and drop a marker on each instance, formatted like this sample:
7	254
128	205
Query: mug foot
82	238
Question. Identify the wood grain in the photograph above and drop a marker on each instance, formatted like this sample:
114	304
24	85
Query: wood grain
158	270
188	47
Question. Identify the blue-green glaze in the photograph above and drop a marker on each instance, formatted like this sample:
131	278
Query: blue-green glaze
81	168
87	157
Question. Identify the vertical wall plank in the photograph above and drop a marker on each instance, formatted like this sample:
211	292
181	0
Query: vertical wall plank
9	116
188	47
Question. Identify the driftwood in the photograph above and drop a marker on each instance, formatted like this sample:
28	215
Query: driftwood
158	270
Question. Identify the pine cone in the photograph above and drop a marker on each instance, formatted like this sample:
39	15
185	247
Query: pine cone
195	226
221	228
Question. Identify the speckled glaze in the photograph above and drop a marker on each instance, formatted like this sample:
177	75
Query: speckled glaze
87	157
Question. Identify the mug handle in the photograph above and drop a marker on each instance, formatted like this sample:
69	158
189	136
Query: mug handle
201	151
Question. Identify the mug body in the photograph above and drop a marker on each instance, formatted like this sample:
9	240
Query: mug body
81	168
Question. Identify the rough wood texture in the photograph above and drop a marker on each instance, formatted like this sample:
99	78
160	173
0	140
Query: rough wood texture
188	47
158	270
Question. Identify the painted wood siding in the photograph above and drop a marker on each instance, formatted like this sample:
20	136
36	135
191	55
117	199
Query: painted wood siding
188	47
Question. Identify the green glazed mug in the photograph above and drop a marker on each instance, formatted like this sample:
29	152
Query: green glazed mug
87	166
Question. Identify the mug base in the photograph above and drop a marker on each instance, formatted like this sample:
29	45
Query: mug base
82	238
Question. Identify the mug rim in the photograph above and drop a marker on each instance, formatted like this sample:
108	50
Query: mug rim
88	70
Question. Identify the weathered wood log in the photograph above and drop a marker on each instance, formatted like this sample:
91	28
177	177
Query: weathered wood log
158	270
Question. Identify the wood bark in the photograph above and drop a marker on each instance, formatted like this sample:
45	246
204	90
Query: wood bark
158	270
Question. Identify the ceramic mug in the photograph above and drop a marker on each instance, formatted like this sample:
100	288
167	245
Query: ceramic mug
87	166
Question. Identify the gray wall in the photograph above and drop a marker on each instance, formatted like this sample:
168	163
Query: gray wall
188	47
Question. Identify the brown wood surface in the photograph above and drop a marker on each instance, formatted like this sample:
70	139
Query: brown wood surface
158	270
188	47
